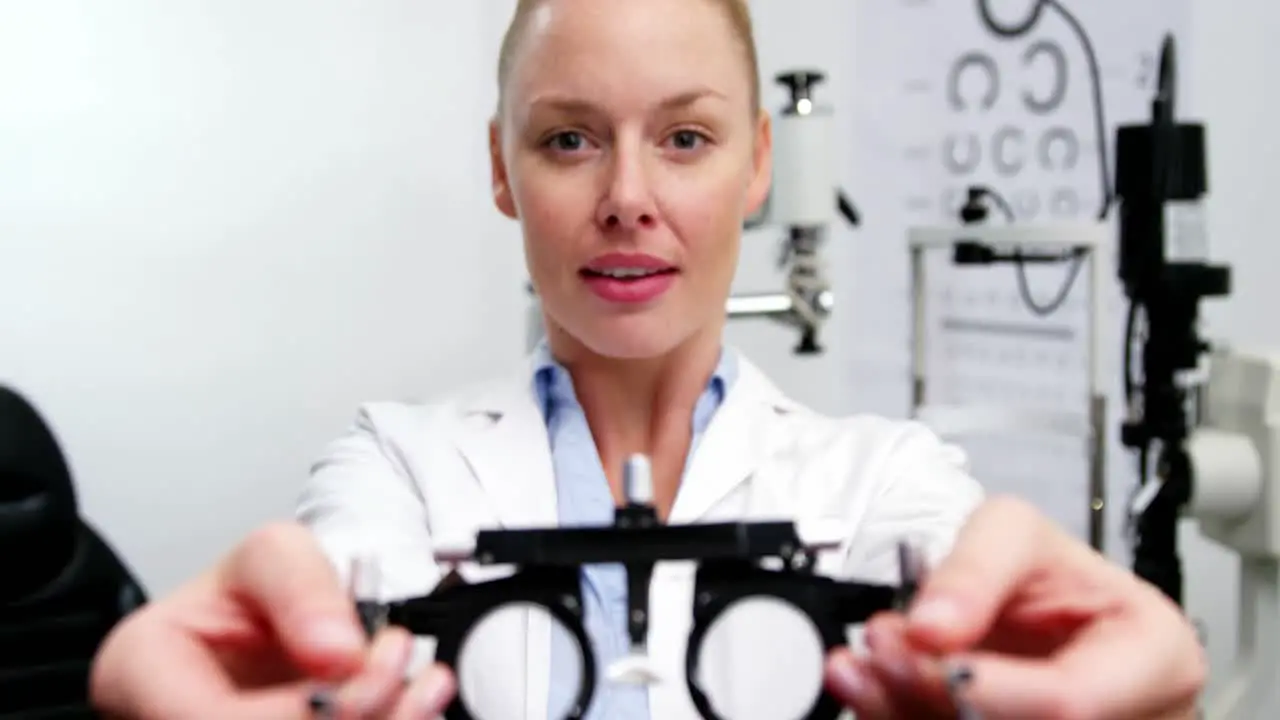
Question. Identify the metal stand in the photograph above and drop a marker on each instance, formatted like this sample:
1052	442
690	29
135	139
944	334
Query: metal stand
1085	238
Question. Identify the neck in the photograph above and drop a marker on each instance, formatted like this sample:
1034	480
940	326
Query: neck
642	405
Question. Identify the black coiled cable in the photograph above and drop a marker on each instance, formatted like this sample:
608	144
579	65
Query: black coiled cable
1016	30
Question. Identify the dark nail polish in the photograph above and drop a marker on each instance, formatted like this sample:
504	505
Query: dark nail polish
323	704
958	677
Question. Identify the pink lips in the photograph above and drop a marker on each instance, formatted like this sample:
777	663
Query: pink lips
629	278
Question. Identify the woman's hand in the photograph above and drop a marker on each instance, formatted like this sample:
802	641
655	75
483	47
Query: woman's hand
1039	624
268	633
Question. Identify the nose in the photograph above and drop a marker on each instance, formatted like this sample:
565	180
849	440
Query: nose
628	202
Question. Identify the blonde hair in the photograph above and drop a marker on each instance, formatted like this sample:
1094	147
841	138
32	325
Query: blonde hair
737	12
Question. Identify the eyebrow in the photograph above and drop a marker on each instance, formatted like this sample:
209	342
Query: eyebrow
575	105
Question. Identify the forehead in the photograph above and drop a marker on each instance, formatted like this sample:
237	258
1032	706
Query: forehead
627	53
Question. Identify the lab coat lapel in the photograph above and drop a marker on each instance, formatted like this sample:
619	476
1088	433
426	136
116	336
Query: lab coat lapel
736	446
733	446
504	441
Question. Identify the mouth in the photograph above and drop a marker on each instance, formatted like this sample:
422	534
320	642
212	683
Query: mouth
629	281
627	274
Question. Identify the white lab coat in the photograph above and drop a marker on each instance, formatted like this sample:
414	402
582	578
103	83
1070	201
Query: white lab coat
410	476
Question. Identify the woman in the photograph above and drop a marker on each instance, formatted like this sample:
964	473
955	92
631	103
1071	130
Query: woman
630	148
630	145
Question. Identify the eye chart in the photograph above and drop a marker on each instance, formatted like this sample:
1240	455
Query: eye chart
945	102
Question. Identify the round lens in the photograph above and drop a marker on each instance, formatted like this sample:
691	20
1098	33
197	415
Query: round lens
485	688
747	651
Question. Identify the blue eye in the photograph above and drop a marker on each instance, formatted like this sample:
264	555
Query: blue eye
687	139
568	141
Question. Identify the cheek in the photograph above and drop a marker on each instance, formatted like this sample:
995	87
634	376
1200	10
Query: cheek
706	213
553	212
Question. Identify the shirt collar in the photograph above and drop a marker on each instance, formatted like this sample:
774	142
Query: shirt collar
554	386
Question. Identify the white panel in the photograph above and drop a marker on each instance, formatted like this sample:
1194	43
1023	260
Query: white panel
956	106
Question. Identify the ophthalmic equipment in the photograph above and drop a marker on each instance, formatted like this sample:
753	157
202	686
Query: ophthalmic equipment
1225	468
1206	451
806	199
762	560
1204	421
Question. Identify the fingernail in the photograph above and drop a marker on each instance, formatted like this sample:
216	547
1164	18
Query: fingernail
388	654
890	657
323	704
935	613
436	693
959	676
336	636
873	636
848	679
895	666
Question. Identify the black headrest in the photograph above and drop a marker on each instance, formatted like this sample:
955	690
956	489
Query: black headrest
38	514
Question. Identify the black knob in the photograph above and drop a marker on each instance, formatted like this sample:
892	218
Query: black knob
800	82
808	344
973	210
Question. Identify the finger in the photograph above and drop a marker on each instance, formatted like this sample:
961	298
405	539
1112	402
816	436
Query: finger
854	686
145	671
295	701
914	682
1001	687
374	691
996	549
122	682
1104	673
888	653
427	696
281	572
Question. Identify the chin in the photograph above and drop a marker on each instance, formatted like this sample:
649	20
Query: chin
635	337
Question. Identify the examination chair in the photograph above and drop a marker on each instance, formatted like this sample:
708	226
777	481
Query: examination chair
62	588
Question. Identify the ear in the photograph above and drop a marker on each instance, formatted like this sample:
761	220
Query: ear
762	165
501	181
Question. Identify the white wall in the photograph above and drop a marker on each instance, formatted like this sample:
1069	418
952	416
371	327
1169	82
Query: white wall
225	224
222	225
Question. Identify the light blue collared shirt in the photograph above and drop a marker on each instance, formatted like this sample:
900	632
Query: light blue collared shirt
583	498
